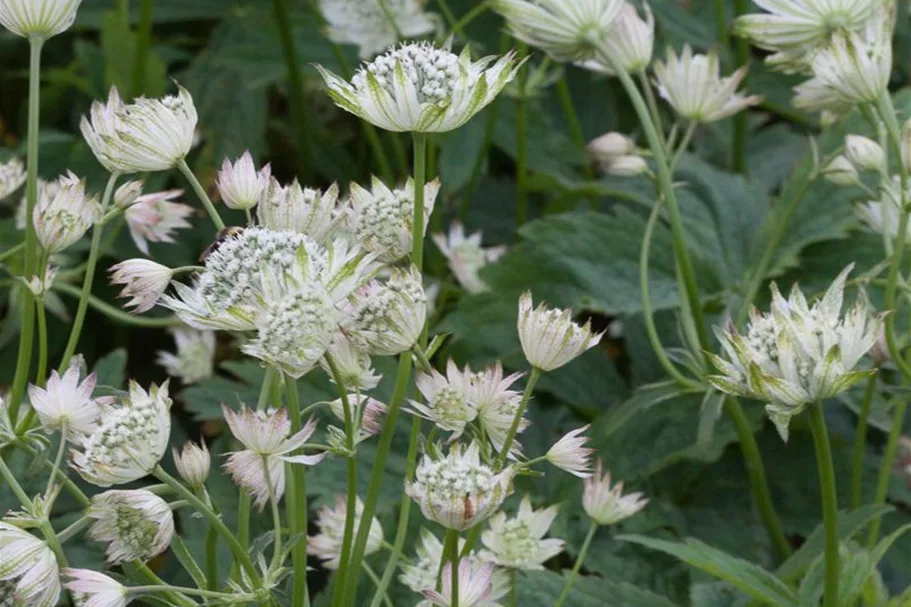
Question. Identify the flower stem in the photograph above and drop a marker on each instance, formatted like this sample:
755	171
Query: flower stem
860	441
652	103
829	501
143	43
117	314
451	548
297	504
232	598
517	420
71	531
721	24
41	373
684	144
742	119
14	485
522	145
578	564
381	594
10	252
211	558
886	467
420	177
575	128
26	334
201	194
276	517
513	589
61	449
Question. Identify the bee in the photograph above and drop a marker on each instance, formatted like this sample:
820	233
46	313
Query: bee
223	235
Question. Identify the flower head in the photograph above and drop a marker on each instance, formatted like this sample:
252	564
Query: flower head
564	29
607	505
38	18
64	214
476	585
630	42
389	317
296	209
12	176
692	84
382	219
94	589
372	412
128	194
143	136
466	256
549	337
327	545
423	573
353	364
610	146
519	542
864	153
570	454
240	185
448	398
145	282
497	405
193	463
420	88
458	491
28	570
195	357
265	434
797	354
375	25
129	439
64	402
883	215
154	217
135	524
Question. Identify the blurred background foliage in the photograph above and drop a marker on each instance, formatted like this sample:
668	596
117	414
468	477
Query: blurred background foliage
580	249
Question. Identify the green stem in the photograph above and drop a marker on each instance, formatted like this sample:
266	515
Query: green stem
513	589
652	102
886	467
666	182
296	89
142	571
742	119
53	543
41	312
381	594
10	479
758	482
201	192
74	529
115	313
447	14
182	590
10	252
578	564
68	484
522	146
276	517
575	129
211	558
459	26
829	501
420	177
26	335
860	442
297	504
451	550
143	43
517	420
684	144
61	449
721	24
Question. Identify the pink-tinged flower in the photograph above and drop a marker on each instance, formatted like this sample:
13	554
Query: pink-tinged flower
12	176
466	257
497	405
328	543
570	454
519	542
94	589
389	316
549	337
29	574
154	217
38	18
135	524
127	194
145	280
240	185
265	434
458	491
421	573
352	362
448	398
63	214
195	357
193	463
607	505
476	585
66	403
293	208
371	411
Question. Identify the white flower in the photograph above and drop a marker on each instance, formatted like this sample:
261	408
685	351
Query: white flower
372	412
518	542
50	189
570	454
12	176
41	286
327	545
28	570
841	171
864	153
497	405
38	18
154	217
466	256
64	214
128	194
476	585
145	280
856	66
564	29
129	440
146	135
630	42
797	354
549	337
607	505
423	573
135	525
352	362
814	95
420	88
448	397
65	402
193	463
382	219
627	166
265	434
884	214
195	358
240	185
610	146
390	316
375	25
693	85
94	589
458	491
296	209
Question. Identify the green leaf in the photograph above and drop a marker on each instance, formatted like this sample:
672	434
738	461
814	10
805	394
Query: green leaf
110	371
542	588
118	45
751	579
183	554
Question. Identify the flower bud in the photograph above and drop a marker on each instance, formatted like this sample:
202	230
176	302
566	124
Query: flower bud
240	185
352	363
390	317
145	280
550	338
610	146
127	194
29	575
607	505
570	453
92	588
296	209
864	153
841	172
38	18
135	524
193	463
63	216
628	166
64	402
